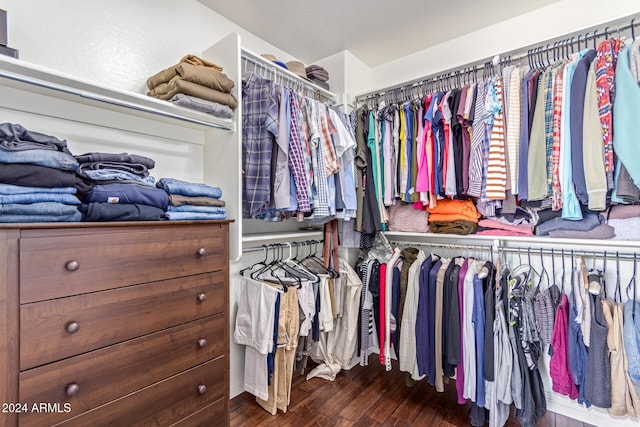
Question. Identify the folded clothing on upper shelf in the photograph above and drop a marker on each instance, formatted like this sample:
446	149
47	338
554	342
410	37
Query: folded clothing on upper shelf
203	86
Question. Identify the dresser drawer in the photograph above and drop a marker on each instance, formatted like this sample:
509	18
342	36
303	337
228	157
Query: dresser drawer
212	416
55	329
59	263
163	403
108	373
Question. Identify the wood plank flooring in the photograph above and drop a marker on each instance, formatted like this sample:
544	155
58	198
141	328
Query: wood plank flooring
368	396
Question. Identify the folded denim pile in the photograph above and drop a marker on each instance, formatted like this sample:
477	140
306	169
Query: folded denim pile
196	84
123	188
192	201
37	178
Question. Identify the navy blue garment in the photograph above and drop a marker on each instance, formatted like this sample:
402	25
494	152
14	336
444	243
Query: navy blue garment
422	317
478	322
271	357
116	158
431	325
576	119
99	212
129	193
315	323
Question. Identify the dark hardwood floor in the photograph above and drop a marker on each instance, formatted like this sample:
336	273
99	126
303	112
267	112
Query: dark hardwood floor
368	396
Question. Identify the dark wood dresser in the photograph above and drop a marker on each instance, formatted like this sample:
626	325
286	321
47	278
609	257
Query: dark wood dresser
118	324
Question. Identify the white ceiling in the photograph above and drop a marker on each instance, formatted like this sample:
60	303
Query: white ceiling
376	31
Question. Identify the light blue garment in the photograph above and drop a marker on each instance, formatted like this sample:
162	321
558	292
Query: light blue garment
570	204
190	216
632	342
75	217
51	159
43	208
66	198
118	175
7	189
349	193
175	186
194	208
626	111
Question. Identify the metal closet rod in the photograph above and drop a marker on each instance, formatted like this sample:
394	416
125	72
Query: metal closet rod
279	72
533	54
526	251
267	247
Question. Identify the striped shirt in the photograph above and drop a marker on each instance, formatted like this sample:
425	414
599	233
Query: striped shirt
496	166
513	126
477	136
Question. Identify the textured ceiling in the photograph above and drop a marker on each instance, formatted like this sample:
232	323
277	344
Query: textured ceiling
376	31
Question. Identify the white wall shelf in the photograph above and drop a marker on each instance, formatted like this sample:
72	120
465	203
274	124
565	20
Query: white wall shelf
40	80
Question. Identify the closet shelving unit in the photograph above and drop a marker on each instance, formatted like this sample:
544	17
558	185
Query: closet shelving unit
537	251
256	231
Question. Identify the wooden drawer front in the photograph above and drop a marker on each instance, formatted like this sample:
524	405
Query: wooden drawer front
163	403
116	315
106	374
54	266
211	416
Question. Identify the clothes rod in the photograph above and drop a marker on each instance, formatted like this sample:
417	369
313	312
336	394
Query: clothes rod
267	247
531	52
525	252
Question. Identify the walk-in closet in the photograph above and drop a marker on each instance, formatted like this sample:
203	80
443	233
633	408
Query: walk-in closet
339	213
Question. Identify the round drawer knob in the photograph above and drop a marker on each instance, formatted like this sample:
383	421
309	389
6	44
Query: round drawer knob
202	388
202	251
72	265
202	297
202	342
72	327
72	389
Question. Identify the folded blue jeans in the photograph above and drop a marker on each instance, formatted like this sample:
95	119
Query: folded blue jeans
191	216
183	188
42	208
194	208
52	159
21	189
76	217
67	199
117	175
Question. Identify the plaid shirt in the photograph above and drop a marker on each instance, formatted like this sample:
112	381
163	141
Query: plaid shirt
555	159
297	158
259	130
320	189
548	124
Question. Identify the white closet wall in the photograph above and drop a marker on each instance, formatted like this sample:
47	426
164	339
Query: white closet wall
533	28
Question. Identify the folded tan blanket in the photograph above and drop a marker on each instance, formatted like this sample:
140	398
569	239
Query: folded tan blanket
196	60
203	76
167	90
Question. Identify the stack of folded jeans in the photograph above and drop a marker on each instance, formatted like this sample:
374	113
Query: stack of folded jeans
196	84
123	191
191	201
37	179
38	204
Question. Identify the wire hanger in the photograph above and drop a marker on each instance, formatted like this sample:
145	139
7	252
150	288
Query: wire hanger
633	282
